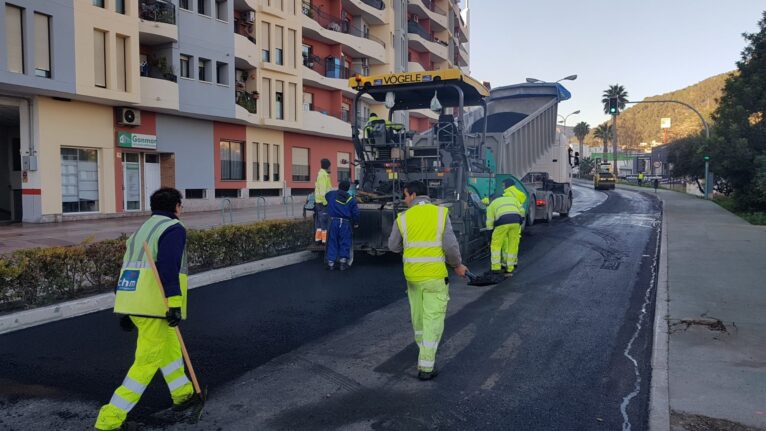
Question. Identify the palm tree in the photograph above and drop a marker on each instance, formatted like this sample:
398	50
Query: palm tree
581	130
619	92
603	132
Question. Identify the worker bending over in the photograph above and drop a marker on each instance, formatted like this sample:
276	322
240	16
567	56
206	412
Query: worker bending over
504	217
343	214
424	235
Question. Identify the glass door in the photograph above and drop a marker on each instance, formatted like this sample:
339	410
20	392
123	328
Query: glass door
131	169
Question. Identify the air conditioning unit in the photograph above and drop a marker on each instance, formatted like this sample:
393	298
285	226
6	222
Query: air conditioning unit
128	117
250	16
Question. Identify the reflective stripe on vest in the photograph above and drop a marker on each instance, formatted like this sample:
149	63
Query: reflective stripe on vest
137	291
507	208
422	228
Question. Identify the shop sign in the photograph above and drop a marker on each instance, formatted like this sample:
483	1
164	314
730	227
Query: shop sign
136	140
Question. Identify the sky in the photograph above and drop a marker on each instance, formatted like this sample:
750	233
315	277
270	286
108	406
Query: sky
651	47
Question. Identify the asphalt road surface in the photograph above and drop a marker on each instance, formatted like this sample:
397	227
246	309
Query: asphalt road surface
563	345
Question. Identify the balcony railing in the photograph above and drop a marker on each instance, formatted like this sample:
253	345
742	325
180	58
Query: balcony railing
377	4
247	100
157	11
158	68
328	67
413	27
336	24
343	115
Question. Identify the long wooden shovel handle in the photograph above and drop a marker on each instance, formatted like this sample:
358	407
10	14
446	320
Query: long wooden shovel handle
189	366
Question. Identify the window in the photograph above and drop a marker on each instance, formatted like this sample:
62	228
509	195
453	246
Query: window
226	193
308	53
267	163
184	4
202	7
195	193
275	171
344	167
99	58
256	161
42	45
131	166
222	73
301	168
291	47
204	70
279	106
119	6
221	9
14	38
79	180
265	33
308	101
345	112
122	60
279	34
292	102
232	160
185	66
99	3
266	87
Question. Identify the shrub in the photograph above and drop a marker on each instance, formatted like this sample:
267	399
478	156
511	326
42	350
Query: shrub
39	276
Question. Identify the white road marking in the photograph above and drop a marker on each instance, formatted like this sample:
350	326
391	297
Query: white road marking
626	426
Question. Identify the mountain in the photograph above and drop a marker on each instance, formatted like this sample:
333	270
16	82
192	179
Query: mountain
641	122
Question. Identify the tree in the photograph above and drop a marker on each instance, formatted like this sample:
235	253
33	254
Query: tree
581	130
603	132
618	92
738	149
586	165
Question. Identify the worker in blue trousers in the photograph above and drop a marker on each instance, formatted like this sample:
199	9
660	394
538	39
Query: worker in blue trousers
343	214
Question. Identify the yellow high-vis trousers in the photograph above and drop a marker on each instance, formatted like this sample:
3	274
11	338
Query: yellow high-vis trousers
504	247
428	308
157	348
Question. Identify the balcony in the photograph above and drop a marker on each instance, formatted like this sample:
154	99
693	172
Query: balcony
426	9
159	93
462	56
422	41
325	123
414	66
246	53
157	23
319	25
371	10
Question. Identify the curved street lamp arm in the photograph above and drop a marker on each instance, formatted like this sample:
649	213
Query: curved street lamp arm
704	123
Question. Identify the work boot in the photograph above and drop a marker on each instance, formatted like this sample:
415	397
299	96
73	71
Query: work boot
193	401
497	272
343	265
427	375
331	266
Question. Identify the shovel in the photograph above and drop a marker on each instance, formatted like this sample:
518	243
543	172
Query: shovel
483	280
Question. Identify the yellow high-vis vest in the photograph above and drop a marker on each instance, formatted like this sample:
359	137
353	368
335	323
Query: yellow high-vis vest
138	293
422	228
509	203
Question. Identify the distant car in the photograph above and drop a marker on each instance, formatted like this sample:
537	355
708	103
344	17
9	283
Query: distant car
603	181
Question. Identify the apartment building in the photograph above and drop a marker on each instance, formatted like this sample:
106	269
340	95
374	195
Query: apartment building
104	101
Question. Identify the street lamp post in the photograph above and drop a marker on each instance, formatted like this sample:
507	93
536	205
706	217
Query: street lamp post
564	121
537	81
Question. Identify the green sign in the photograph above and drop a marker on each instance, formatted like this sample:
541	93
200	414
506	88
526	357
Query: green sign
136	140
707	158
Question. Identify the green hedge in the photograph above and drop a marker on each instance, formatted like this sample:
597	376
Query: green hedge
39	276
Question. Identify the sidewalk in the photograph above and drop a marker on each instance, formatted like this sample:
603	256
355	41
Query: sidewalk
709	360
28	235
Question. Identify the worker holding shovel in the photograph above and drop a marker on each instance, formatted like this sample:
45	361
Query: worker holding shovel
152	298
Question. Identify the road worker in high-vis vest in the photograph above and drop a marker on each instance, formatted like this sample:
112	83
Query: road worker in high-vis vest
139	300
504	217
424	235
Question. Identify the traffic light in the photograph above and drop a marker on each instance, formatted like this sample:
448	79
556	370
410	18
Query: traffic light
613	109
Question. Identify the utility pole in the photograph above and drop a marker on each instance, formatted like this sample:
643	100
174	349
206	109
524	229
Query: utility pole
614	145
707	176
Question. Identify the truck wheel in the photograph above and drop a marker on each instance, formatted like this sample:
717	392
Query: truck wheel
549	211
568	206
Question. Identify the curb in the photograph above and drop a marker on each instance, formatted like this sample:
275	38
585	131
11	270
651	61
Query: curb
78	307
659	395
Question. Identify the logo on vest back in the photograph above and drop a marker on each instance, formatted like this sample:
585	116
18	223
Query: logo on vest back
128	280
